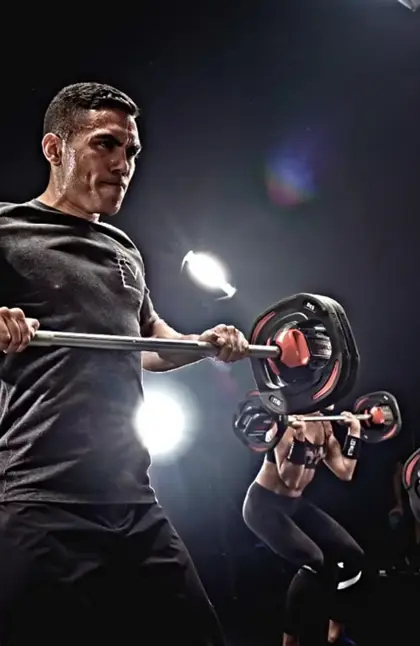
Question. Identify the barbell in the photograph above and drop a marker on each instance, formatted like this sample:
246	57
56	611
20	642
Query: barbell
303	356
378	413
302	352
132	344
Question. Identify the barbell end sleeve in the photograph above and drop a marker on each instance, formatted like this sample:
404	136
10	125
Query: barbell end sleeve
264	352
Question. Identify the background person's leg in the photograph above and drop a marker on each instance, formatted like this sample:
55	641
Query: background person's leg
272	518
267	515
344	561
305	604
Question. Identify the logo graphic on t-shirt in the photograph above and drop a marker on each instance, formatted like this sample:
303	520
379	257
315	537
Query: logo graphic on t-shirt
129	272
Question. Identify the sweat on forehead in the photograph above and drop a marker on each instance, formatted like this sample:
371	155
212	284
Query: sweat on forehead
105	120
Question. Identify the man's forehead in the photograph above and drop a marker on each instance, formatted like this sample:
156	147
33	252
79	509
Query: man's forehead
114	122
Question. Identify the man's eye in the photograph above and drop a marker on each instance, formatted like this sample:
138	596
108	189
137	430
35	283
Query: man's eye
108	145
133	152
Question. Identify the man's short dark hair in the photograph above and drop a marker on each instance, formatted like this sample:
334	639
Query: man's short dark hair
66	108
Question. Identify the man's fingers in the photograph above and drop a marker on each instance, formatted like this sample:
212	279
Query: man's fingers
25	332
16	331
15	336
5	335
33	326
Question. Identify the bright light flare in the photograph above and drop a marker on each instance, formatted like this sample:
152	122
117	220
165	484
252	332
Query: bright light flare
163	423
411	4
208	271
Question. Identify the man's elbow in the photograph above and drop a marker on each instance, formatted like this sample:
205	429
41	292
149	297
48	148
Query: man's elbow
152	362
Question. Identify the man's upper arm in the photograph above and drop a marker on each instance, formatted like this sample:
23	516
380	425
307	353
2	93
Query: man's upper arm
148	315
7	274
5	281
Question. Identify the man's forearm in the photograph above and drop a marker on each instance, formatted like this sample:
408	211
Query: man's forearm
154	362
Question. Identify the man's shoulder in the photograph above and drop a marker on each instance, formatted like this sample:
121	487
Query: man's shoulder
119	235
7	207
12	208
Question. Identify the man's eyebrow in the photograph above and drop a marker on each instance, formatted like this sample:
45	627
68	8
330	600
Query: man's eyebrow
134	144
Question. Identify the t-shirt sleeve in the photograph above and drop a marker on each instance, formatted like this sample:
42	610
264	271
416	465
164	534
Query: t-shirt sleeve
5	280
148	315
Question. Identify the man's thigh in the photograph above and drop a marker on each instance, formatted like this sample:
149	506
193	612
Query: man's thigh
166	585
100	575
34	608
51	566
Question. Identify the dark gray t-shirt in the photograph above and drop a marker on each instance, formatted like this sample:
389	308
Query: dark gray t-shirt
66	414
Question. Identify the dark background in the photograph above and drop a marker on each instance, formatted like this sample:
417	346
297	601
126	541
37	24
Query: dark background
319	98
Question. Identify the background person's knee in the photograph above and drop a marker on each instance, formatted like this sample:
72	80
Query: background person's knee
302	585
354	559
315	561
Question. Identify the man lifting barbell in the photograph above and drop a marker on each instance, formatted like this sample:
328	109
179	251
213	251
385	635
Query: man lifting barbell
297	530
79	523
86	553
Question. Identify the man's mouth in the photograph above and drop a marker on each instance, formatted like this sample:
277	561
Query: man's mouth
119	185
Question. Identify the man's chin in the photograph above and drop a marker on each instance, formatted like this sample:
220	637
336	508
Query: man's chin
110	208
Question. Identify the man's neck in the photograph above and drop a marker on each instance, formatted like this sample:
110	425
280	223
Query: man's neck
52	198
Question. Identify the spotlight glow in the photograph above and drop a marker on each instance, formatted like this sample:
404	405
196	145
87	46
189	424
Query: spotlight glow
162	421
208	271
411	4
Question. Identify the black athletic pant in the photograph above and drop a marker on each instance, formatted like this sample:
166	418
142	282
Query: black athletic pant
304	535
82	574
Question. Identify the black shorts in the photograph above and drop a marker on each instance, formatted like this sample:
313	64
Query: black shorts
104	574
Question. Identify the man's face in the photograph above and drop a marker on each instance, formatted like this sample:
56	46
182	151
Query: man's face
98	161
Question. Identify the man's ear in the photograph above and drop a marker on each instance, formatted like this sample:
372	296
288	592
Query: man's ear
52	148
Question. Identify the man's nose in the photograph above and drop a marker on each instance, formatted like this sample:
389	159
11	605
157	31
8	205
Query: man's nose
120	163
